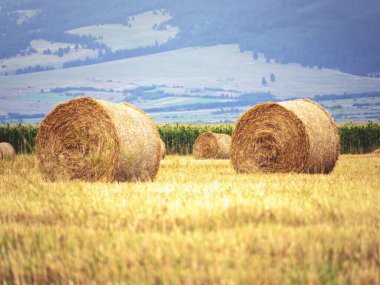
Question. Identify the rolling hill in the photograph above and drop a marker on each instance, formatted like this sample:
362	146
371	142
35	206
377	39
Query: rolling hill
190	61
188	85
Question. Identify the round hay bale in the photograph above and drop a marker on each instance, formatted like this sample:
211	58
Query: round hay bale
7	151
94	140
293	136
376	151
212	146
163	149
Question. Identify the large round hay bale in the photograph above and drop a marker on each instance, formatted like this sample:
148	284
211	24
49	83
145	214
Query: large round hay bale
7	151
212	146
163	149
293	136
376	151
94	140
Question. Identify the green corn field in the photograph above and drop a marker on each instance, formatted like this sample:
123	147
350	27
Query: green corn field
179	138
359	138
21	137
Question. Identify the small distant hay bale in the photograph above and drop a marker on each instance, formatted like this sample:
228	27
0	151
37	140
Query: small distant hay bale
7	151
94	140
163	149
376	151
212	146
294	136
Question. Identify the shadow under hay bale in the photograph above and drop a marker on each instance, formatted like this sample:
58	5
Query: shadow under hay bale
7	151
293	136
94	140
212	146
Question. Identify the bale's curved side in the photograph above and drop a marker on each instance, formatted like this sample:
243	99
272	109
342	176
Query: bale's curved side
7	151
163	149
293	136
94	140
322	132
376	151
141	141
224	143
212	146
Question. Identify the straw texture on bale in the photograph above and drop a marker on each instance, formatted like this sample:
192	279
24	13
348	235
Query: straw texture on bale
293	136
212	146
163	149
94	140
7	151
152	125
162	144
376	151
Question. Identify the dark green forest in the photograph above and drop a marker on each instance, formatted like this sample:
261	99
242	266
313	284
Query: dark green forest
341	34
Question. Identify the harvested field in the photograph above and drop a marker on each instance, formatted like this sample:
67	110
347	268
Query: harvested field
198	222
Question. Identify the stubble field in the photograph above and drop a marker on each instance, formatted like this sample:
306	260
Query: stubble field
198	223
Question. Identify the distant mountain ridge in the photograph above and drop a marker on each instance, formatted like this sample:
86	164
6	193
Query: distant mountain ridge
338	34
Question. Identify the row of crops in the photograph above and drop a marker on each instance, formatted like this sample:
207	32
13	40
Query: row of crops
179	138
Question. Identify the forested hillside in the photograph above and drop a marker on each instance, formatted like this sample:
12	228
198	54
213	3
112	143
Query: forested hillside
341	34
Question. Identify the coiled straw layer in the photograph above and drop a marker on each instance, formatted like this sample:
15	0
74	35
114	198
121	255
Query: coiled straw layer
293	136
212	146
94	140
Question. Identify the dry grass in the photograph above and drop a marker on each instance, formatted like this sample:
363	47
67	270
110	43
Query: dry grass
198	223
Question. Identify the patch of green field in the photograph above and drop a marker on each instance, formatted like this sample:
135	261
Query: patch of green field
344	110
10	65
178	101
141	31
24	16
193	117
41	45
46	96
